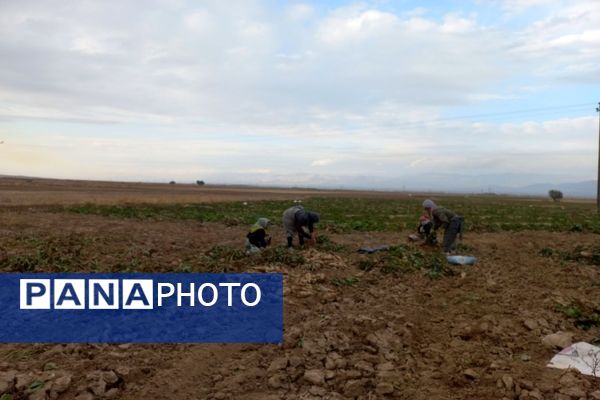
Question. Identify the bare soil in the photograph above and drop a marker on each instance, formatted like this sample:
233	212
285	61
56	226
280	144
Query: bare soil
38	191
474	335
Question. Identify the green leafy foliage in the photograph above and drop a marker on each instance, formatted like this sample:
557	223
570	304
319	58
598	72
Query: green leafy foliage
583	317
324	243
405	259
589	255
344	215
58	254
282	255
36	385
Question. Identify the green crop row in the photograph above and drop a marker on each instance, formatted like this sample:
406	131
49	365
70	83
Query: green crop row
344	215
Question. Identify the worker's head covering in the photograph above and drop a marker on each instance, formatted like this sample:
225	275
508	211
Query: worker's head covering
313	217
429	204
263	222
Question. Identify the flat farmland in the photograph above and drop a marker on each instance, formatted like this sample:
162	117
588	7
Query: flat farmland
398	324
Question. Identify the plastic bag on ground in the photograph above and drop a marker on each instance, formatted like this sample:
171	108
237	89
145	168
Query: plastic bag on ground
461	260
581	356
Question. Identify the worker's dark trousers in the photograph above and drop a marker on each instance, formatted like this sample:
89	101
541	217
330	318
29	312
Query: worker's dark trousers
455	228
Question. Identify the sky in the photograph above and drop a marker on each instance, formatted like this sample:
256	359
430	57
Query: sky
402	94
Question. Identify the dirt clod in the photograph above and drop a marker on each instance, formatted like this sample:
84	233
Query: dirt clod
471	373
98	387
384	388
61	384
315	376
85	396
573	391
508	382
278	364
558	340
530	324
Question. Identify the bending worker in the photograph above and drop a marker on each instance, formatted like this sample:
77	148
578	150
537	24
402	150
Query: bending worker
444	218
257	238
295	219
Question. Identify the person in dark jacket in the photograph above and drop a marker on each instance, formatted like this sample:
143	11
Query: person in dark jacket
257	238
443	218
295	219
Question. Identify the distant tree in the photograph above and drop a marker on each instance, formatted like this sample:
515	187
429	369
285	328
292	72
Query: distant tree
555	194
200	183
172	183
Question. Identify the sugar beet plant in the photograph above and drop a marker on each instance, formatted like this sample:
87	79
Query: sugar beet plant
344	215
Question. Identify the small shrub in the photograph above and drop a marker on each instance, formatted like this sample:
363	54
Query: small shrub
555	194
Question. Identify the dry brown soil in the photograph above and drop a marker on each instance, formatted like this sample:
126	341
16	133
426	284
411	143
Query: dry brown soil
474	335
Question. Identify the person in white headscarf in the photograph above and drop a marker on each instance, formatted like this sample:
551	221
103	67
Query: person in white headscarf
451	222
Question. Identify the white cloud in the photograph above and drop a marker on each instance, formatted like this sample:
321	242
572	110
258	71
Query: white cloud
518	6
348	27
565	43
293	86
300	11
199	21
322	162
456	24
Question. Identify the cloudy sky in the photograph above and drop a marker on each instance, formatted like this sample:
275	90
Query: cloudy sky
387	94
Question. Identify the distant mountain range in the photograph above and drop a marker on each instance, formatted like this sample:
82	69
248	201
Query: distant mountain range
462	184
450	183
570	189
456	183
